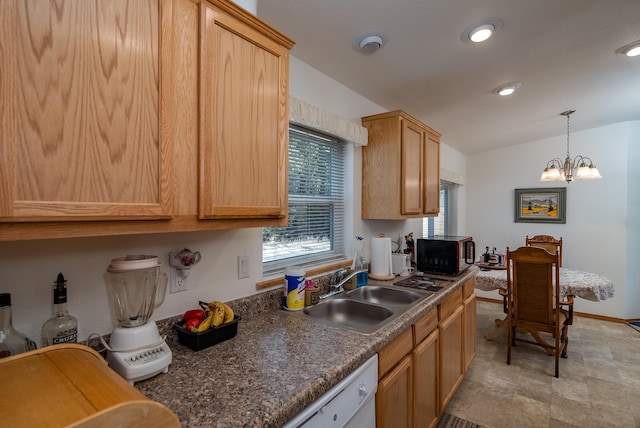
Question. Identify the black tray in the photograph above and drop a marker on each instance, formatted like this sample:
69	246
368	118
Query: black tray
198	341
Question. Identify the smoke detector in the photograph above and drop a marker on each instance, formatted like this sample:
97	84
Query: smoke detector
370	44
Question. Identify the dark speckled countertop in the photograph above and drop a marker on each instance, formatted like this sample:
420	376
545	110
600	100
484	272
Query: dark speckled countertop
277	364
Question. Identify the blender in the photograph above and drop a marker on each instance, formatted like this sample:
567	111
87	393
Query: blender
136	286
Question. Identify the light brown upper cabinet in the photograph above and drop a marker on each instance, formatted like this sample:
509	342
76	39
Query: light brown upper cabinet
243	103
80	115
121	117
431	174
400	168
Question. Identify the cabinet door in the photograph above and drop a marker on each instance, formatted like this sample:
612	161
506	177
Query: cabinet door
469	330
244	120
451	362
412	158
381	163
425	382
394	397
80	125
431	176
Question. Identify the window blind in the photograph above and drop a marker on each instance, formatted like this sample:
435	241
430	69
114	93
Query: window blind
315	233
439	225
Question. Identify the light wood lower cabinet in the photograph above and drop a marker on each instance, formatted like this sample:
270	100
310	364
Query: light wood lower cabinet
469	320
426	407
421	369
394	402
451	367
394	396
457	326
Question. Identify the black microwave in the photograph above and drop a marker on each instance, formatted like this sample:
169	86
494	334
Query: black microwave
445	254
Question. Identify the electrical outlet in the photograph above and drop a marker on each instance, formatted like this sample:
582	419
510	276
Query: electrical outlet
177	282
243	267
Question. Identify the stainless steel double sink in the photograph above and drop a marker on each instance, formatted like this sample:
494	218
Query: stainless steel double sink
366	309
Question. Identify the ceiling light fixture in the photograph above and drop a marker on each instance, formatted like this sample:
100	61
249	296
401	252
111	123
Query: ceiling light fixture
557	170
507	89
370	44
481	31
632	49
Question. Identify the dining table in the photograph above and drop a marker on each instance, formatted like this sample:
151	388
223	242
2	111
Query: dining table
586	285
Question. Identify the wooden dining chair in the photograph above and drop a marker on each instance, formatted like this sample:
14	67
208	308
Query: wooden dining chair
548	242
533	301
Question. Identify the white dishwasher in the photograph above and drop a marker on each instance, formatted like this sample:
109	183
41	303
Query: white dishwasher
351	403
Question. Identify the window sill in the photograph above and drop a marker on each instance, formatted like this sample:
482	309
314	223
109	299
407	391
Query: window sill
309	273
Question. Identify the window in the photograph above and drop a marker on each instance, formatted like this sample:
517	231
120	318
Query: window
316	204
439	225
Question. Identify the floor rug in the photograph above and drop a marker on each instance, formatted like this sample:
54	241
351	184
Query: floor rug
450	421
635	324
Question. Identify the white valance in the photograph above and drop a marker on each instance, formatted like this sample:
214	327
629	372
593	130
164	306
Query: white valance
452	177
304	114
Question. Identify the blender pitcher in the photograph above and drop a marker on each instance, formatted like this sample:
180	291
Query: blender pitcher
136	287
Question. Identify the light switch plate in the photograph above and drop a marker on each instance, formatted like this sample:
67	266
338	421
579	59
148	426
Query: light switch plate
243	267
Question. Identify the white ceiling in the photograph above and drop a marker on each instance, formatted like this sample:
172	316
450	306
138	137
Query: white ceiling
562	51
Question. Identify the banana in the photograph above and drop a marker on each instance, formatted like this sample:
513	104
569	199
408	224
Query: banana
206	323
228	313
218	314
221	312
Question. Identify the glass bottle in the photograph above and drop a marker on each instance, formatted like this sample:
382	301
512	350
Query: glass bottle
12	342
61	327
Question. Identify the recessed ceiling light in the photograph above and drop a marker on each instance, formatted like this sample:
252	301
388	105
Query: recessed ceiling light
507	89
632	49
370	44
481	31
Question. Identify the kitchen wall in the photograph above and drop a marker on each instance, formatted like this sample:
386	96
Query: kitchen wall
633	225
601	231
28	269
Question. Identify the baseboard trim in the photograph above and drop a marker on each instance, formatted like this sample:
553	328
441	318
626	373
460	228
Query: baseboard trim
575	314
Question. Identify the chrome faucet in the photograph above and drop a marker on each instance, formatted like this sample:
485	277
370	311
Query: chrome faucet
337	281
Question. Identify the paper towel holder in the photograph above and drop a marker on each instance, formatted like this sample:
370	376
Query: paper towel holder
379	277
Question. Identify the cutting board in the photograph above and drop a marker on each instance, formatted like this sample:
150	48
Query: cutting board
71	385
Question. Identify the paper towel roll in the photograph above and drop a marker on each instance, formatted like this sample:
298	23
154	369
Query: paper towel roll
381	257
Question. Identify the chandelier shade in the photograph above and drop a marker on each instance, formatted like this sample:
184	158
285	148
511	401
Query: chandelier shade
581	167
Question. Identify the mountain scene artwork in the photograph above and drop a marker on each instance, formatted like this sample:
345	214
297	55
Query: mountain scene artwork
540	205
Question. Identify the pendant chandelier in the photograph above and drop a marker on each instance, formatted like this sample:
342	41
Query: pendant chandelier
580	168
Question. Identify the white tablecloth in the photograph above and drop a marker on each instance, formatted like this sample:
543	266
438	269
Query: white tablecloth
572	283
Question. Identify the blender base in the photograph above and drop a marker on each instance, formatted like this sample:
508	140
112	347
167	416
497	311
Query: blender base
138	353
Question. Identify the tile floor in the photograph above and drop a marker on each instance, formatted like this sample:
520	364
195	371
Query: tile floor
599	383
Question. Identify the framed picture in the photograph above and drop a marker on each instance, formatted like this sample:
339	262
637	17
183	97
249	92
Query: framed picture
541	205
